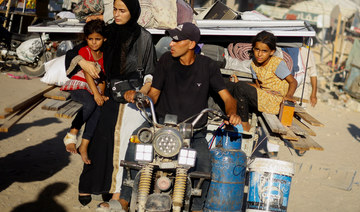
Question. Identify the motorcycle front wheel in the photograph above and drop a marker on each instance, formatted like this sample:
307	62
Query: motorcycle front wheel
35	70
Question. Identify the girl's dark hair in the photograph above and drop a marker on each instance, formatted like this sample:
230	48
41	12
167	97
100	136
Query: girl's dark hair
265	37
93	26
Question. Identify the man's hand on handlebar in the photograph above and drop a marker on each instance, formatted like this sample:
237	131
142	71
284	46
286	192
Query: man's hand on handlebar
130	95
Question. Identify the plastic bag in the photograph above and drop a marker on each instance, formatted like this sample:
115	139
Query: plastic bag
63	47
55	72
30	49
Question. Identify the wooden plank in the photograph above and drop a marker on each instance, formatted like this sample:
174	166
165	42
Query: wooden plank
19	115
305	143
247	144
57	94
23	103
290	135
298	145
297	130
303	100
308	130
49	104
70	113
271	139
309	119
312	143
236	72
299	109
54	105
274	123
4	114
69	110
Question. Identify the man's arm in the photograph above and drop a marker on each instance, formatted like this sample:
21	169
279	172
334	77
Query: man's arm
313	98
230	107
154	94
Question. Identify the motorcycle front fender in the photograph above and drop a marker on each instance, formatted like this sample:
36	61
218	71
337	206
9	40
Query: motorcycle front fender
158	202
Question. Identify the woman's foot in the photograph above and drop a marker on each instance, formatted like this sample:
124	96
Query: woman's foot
70	143
83	151
115	204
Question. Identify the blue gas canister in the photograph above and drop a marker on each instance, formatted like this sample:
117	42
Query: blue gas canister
228	172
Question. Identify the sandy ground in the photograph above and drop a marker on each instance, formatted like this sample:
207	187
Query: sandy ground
37	174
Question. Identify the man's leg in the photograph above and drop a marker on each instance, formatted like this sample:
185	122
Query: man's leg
203	164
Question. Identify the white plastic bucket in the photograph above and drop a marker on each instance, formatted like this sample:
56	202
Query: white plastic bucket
269	185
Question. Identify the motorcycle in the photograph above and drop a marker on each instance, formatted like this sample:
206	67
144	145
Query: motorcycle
26	51
164	157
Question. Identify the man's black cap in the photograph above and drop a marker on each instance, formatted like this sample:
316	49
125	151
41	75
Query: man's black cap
185	31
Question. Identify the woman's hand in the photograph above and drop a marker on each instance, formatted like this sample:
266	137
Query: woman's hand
98	99
90	68
129	96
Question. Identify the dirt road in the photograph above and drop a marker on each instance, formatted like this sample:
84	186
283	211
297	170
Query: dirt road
37	174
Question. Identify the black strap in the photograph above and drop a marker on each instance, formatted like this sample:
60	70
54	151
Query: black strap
140	67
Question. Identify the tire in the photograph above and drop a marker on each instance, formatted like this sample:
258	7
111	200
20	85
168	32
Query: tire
35	71
300	153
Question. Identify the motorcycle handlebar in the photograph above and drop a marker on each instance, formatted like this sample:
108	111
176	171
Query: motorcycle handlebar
213	111
144	100
141	98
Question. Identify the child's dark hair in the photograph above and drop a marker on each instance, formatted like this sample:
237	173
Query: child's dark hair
93	26
265	37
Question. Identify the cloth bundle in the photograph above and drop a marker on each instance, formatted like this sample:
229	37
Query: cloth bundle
241	51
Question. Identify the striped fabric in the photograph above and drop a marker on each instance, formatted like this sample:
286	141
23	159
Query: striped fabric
78	81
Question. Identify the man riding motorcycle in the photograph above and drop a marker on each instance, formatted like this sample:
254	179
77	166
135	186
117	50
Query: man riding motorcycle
181	86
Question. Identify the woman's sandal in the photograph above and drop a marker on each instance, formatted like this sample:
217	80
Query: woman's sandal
114	206
84	200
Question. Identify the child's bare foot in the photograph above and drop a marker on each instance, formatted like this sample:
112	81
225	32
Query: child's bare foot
71	148
83	151
70	143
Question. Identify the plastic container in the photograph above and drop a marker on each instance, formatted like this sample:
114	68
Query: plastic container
269	185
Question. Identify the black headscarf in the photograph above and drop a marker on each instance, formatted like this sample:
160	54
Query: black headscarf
120	39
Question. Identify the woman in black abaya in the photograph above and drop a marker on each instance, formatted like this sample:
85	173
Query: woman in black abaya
126	43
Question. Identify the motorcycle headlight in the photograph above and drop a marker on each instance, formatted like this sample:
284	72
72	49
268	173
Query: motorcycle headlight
167	142
187	157
144	152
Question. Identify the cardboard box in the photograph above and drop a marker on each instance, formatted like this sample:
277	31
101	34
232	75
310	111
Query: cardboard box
286	113
219	11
